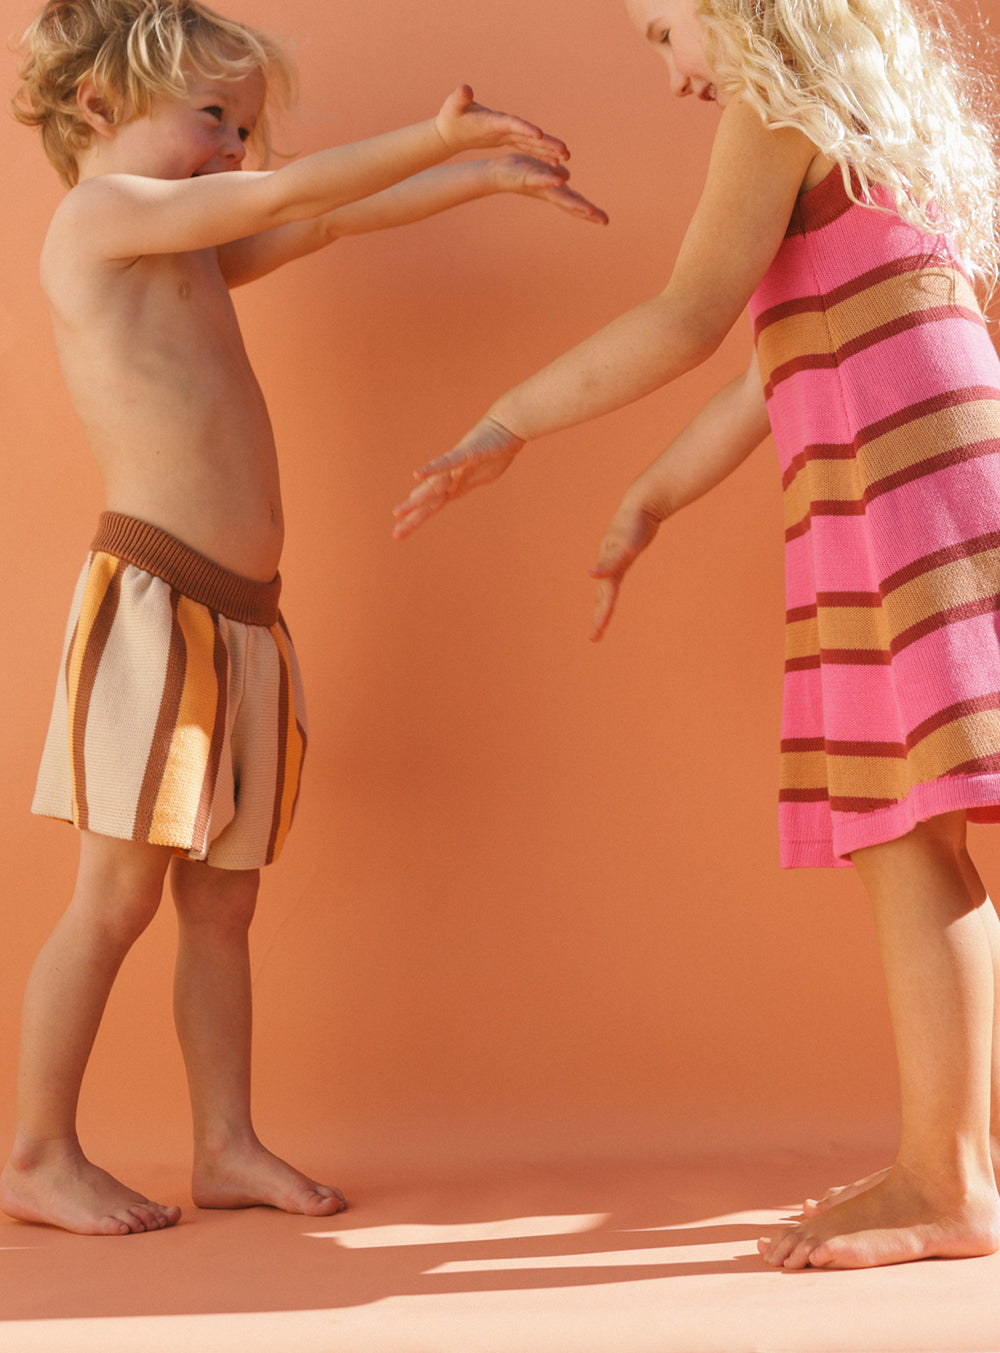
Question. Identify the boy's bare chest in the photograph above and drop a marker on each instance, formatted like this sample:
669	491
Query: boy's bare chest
180	292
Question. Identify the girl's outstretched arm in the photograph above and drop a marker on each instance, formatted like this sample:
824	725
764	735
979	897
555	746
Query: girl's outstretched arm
714	443
416	198
754	177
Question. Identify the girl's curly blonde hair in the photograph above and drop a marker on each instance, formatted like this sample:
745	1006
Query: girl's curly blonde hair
880	86
134	51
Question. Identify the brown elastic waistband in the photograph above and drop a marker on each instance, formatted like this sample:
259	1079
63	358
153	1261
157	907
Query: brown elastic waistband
192	574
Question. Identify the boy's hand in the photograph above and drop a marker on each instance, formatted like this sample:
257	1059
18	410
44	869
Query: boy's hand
632	528
532	178
479	458
464	124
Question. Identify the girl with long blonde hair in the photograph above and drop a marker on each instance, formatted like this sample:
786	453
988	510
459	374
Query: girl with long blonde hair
851	202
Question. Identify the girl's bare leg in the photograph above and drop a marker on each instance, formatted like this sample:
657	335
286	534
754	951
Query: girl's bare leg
213	1013
940	1196
48	1178
991	923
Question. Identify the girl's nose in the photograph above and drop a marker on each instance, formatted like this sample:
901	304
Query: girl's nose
680	86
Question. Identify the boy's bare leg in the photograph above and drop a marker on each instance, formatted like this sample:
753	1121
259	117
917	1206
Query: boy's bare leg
991	922
940	1197
48	1178
212	1008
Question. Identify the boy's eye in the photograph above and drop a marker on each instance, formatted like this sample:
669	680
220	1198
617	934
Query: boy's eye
213	111
244	133
665	38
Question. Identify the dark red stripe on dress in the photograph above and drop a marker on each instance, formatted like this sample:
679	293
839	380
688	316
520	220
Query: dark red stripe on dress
953	616
947	399
949	554
894	750
842	657
945	460
826	507
859	805
979	704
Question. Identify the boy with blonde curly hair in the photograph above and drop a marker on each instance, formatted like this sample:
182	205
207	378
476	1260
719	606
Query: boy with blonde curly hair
178	731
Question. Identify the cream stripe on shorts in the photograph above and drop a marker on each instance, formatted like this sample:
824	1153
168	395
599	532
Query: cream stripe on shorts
179	718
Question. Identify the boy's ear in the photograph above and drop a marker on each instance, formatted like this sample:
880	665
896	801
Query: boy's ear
99	113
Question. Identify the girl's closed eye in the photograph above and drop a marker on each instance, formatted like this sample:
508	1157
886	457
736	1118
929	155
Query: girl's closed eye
213	110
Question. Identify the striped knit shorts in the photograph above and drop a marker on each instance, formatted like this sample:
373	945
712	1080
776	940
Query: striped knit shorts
179	717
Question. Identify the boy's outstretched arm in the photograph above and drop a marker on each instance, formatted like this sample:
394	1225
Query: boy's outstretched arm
414	199
123	216
714	443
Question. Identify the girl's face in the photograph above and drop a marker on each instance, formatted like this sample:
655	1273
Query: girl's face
676	31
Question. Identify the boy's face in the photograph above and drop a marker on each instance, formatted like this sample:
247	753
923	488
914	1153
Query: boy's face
676	31
203	132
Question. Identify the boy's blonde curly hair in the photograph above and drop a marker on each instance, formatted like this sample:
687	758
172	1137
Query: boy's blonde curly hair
134	51
880	87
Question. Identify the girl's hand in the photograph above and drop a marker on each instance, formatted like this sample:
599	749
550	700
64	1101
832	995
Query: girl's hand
463	124
479	458
532	178
632	528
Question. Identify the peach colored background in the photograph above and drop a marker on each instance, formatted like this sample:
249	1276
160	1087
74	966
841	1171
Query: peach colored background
531	905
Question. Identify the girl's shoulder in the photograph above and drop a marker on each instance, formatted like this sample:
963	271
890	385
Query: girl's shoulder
819	168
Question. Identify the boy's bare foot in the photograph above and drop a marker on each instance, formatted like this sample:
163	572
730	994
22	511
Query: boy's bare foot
65	1189
897	1219
251	1176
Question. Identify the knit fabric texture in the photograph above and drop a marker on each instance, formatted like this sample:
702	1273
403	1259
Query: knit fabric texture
883	390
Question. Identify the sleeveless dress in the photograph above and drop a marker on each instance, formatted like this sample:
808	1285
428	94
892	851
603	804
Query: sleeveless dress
883	390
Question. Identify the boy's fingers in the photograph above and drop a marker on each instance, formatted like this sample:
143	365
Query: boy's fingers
578	205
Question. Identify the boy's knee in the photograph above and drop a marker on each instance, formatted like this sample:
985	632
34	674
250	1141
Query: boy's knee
203	893
119	885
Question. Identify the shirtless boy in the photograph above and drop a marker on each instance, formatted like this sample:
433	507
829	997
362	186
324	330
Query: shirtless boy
179	679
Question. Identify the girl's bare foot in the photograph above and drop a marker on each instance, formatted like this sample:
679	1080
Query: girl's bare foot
62	1188
248	1175
842	1192
897	1219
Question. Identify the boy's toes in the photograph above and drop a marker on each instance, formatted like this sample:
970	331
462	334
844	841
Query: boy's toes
323	1201
150	1217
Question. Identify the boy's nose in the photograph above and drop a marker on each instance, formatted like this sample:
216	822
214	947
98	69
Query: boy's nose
234	150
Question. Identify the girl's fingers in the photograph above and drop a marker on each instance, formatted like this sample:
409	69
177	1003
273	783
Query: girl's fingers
607	595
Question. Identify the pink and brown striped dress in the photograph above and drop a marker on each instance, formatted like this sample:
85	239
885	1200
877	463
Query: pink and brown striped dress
883	390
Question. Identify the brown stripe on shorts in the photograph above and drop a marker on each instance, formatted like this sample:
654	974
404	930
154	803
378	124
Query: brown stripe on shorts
173	689
221	662
94	640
